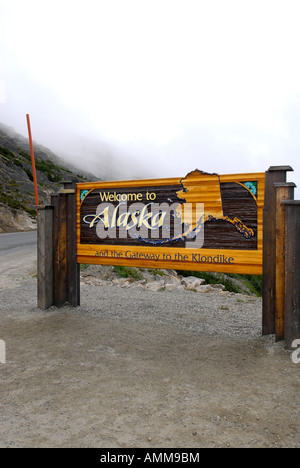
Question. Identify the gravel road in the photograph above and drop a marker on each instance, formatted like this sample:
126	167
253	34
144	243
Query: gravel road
137	368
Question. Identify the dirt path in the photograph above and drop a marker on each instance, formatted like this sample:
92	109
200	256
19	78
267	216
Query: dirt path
131	368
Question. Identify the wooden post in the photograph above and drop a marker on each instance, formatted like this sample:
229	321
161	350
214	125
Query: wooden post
66	271
292	272
274	174
73	279
284	191
59	203
45	256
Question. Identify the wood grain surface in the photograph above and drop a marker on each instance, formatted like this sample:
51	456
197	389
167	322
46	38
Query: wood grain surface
233	229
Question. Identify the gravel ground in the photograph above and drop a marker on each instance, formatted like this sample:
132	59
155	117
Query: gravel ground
137	368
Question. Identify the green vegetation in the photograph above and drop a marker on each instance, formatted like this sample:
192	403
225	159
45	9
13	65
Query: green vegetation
252	282
47	167
156	272
25	155
6	152
10	201
50	169
213	278
14	184
127	272
230	285
9	156
7	199
54	172
29	173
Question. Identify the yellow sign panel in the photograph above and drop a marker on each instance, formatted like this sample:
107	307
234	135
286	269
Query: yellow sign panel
202	222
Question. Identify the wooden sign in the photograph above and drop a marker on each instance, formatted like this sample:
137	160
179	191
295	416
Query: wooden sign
201	222
240	223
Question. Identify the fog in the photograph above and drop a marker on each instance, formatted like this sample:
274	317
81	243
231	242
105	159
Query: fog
141	89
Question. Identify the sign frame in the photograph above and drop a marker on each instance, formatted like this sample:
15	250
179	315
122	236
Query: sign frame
225	260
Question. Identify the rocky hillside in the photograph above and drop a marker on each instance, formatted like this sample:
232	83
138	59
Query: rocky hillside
17	200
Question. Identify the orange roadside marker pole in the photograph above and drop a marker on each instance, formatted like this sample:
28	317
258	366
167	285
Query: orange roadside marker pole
32	162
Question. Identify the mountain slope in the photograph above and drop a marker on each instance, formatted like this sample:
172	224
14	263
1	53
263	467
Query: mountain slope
17	200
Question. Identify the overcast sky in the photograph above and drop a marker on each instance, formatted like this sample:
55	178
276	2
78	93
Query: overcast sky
155	88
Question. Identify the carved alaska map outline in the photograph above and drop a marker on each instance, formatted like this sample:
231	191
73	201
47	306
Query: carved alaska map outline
196	191
209	193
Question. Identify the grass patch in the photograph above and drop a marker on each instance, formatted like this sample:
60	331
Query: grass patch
155	272
254	283
230	285
127	272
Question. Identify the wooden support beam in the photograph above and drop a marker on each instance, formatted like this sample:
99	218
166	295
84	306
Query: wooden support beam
274	174
73	278
45	256
284	191
292	272
59	203
66	271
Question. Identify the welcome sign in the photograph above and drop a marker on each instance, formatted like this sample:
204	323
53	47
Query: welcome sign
204	222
